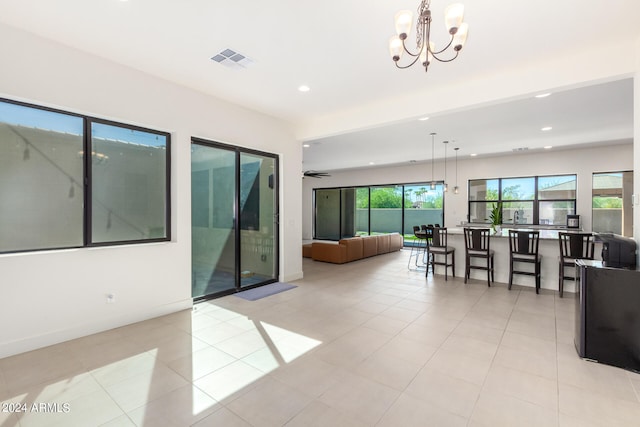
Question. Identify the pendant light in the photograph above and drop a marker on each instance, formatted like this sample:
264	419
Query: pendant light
446	186
433	135
456	188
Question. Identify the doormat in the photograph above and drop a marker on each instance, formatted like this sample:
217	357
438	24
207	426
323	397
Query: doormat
264	291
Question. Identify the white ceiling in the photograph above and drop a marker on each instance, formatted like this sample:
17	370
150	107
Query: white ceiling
339	49
591	115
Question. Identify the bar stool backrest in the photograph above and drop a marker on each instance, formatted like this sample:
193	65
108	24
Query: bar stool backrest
524	242
477	239
439	238
576	245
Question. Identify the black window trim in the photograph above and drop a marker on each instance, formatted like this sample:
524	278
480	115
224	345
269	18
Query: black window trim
369	187
86	147
536	200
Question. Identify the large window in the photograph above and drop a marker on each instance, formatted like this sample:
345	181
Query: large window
545	200
41	179
46	179
351	211
611	203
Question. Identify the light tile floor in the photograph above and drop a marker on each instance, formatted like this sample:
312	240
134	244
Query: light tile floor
363	344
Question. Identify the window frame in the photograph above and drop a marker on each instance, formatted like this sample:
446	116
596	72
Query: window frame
369	231
88	181
536	201
623	199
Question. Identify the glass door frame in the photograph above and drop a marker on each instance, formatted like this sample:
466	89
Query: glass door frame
237	216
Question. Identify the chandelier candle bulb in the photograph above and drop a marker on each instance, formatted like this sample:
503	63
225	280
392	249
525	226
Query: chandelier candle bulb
395	47
403	23
460	37
453	17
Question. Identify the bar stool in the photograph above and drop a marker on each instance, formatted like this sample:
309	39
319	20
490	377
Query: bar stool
476	245
438	247
573	246
523	248
418	248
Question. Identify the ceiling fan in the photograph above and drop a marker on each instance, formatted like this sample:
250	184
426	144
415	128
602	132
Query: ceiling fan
314	174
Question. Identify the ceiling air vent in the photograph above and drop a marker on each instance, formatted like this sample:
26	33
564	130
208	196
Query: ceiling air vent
521	149
232	59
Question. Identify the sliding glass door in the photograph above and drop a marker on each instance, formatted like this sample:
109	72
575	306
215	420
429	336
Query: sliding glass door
233	219
258	219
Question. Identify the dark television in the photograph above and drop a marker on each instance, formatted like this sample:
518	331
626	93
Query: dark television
617	251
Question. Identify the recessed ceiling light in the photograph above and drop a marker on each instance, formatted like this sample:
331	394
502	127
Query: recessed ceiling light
546	128
372	163
543	95
547	147
473	155
422	119
304	88
306	145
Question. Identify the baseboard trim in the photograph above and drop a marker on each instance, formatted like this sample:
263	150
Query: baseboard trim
89	328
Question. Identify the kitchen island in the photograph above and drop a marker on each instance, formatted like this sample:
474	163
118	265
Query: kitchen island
549	248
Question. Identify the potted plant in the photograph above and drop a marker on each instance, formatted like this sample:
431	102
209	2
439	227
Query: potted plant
496	217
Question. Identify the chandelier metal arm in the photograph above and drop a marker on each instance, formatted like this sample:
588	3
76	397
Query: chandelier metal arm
410	64
442	50
445	60
415	55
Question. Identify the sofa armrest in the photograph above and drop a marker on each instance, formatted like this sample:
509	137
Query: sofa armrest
396	241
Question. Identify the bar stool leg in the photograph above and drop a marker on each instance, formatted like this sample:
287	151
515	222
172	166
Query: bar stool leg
510	272
492	270
489	262
446	269
466	268
561	278
453	264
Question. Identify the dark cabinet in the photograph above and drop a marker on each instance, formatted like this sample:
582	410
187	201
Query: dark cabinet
608	315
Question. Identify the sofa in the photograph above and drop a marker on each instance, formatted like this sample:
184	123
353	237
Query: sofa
355	248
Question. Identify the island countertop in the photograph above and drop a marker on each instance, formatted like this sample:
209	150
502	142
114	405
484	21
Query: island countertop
545	233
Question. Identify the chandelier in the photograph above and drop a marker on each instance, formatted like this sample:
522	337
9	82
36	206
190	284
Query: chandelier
425	49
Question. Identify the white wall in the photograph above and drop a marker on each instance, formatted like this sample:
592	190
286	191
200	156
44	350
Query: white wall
583	162
48	297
